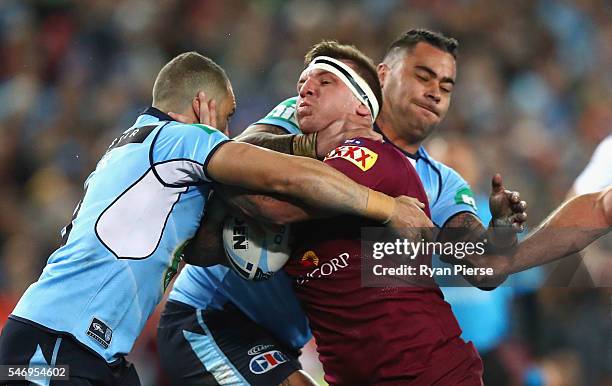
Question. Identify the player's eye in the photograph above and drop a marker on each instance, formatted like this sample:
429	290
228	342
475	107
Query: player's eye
423	77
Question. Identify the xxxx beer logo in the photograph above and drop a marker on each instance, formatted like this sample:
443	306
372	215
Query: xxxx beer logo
359	156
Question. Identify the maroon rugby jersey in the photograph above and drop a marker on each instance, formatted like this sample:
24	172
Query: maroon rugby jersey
369	336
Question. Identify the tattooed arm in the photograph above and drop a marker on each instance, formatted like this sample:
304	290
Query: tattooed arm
268	136
509	215
268	208
466	227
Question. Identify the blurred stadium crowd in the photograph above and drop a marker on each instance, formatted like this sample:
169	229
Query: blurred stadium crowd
533	99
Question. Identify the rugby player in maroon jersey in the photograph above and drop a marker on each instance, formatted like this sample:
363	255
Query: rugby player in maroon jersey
371	335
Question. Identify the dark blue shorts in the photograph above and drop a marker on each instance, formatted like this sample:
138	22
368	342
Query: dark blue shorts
24	343
214	347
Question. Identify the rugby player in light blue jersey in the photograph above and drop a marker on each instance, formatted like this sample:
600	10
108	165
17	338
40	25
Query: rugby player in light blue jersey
142	203
417	76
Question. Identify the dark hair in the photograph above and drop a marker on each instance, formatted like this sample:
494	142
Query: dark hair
183	76
362	64
411	38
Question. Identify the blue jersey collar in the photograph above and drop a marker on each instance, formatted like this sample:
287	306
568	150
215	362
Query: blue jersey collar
420	153
154	112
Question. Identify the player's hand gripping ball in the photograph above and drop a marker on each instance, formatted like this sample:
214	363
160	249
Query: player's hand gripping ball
255	251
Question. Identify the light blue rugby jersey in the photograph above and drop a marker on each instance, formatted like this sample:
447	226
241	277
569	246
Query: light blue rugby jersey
142	202
272	303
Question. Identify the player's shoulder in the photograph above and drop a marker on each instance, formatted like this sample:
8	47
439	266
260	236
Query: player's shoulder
284	109
189	129
447	173
289	101
176	125
283	116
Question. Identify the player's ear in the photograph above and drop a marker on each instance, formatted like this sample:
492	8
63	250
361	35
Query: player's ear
382	69
195	105
363	110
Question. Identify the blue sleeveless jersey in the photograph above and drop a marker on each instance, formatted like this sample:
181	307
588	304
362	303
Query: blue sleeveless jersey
272	303
142	202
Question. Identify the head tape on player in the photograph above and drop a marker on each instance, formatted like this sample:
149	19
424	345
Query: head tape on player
353	81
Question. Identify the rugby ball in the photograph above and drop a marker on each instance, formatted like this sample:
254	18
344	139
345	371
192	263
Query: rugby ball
254	250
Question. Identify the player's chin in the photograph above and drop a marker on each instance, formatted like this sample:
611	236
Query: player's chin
428	121
309	125
422	129
425	119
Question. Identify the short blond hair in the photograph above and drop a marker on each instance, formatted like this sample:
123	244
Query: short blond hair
179	81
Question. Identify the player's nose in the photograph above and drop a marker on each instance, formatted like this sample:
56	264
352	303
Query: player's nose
433	94
308	88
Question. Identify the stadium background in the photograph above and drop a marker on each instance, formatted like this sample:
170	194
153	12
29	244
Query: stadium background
533	99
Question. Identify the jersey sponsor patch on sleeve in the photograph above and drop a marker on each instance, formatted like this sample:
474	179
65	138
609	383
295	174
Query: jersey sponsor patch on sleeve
465	196
100	332
360	156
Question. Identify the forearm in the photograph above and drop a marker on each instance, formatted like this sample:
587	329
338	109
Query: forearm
274	138
467	228
463	227
569	229
320	186
304	179
266	208
280	143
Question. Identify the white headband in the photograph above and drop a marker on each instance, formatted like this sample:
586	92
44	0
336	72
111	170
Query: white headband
353	81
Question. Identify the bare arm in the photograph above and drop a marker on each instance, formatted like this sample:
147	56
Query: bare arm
574	225
268	208
309	181
508	213
268	136
467	227
313	145
304	179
